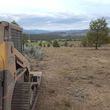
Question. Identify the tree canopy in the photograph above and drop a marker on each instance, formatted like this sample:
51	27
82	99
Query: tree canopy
14	22
98	33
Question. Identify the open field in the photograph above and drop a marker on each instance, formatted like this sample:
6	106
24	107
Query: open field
74	79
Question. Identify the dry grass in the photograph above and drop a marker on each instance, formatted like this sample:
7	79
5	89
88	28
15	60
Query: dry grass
75	79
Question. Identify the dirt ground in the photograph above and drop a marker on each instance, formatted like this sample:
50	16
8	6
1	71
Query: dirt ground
74	79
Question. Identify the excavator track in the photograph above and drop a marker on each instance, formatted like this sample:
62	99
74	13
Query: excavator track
22	96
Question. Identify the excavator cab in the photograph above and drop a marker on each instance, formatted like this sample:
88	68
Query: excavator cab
18	86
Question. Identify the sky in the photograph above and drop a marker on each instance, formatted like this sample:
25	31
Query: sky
54	14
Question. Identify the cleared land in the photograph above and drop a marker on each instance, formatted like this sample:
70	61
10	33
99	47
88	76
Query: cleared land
74	79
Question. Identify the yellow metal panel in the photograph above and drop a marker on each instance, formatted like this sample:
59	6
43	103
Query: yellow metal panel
7	57
1	63
3	56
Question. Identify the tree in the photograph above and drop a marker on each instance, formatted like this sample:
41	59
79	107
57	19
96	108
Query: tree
55	43
14	22
98	33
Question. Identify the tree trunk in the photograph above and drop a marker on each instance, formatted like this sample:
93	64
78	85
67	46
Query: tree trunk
97	38
96	47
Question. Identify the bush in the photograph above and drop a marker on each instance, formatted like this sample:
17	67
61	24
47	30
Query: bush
40	43
48	45
44	45
84	42
71	45
55	43
35	52
66	44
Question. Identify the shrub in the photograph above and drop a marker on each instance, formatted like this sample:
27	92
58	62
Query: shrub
48	45
84	42
44	45
66	44
71	45
35	52
55	43
40	43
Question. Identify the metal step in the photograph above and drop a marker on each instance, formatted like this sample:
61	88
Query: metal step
21	96
24	95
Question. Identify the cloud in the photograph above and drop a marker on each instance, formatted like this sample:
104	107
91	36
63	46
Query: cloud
29	6
61	21
98	1
48	22
54	14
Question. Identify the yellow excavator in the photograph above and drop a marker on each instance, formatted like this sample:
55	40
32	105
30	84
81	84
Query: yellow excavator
18	86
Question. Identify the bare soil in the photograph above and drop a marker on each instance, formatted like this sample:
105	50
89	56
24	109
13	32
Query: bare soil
74	79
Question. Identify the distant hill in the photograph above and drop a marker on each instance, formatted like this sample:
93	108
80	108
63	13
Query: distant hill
70	33
36	31
48	35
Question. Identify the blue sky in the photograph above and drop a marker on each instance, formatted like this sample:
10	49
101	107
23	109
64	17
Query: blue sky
54	14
